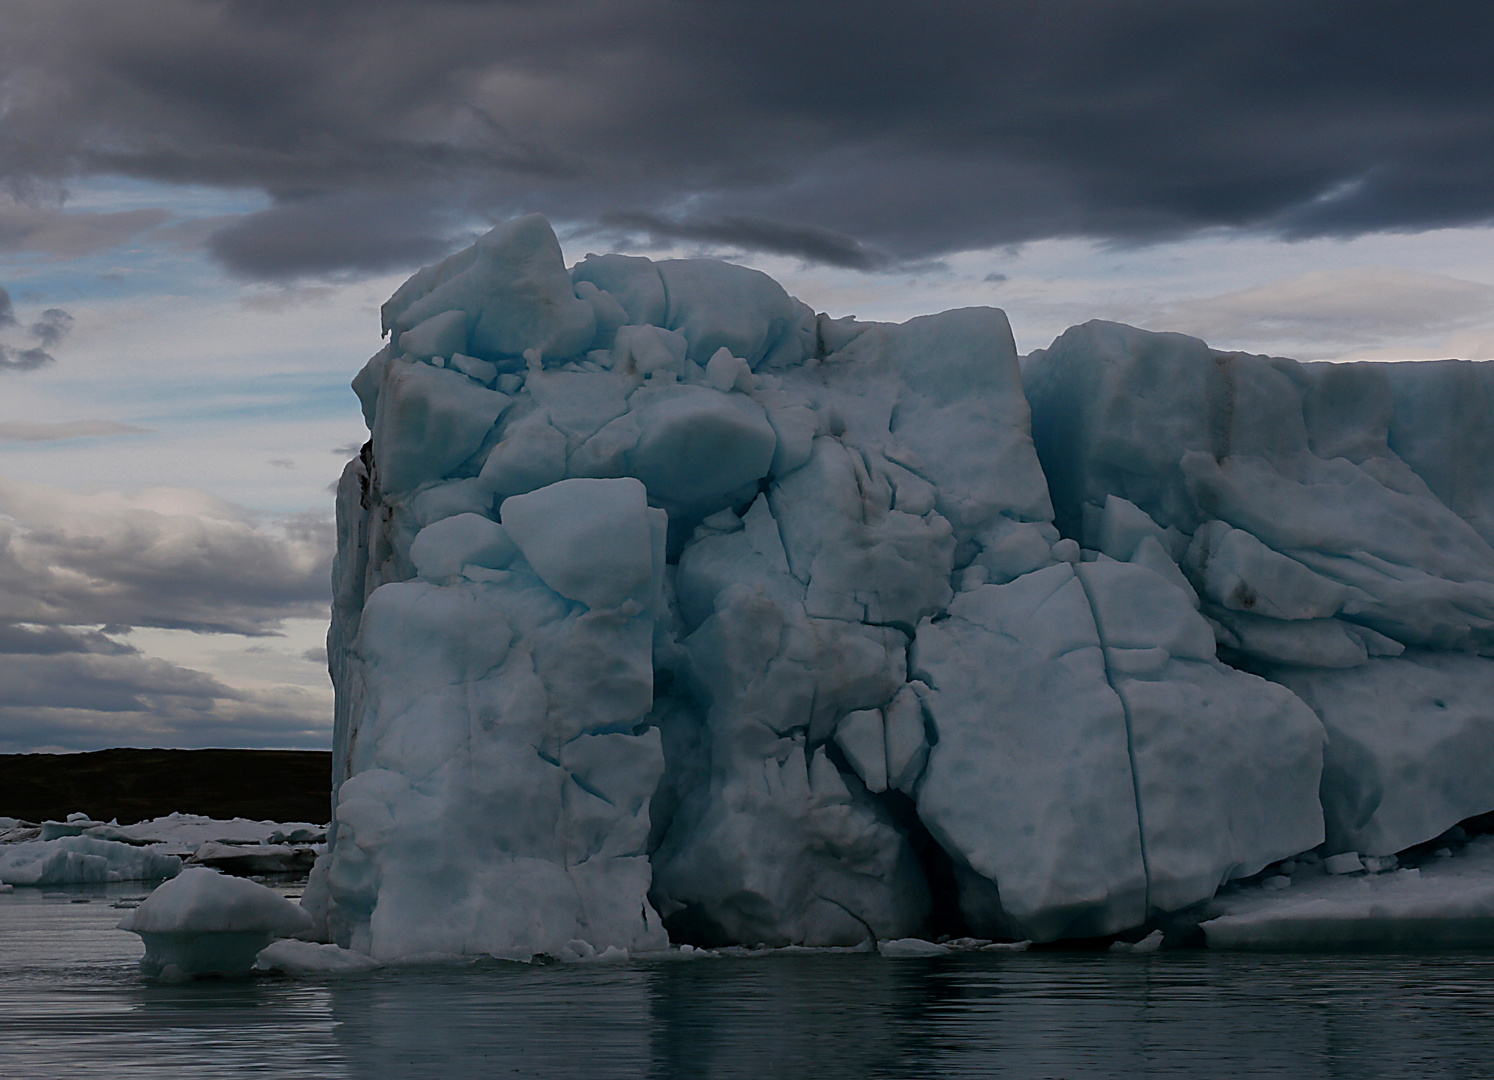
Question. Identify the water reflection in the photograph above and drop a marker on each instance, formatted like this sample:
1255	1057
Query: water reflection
71	1000
827	1017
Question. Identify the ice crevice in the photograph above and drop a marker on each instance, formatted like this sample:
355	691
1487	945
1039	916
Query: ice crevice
667	608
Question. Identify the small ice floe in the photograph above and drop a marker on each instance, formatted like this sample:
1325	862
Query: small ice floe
577	951
202	922
1347	862
292	957
912	946
1149	944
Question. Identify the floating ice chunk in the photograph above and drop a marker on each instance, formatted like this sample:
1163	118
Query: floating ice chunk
589	540
1149	944
513	287
244	860
441	335
1347	862
294	957
204	923
902	948
444	547
429	421
77	860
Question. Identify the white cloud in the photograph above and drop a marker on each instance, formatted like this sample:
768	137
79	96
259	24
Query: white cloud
1334	309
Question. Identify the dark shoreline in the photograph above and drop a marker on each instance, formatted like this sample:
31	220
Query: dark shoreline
136	785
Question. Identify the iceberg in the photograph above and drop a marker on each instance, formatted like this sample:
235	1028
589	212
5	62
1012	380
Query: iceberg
204	923
668	610
82	860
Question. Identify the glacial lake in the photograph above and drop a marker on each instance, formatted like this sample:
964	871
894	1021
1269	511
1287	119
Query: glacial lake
73	1004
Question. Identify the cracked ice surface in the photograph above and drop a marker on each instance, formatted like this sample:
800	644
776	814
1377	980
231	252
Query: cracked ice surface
663	602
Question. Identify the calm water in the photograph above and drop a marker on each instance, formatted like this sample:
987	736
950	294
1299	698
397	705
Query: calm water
72	1003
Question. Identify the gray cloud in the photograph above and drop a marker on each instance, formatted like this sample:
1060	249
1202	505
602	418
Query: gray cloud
12	359
166	558
51	230
77	571
37	431
50	329
18	639
816	245
166	708
839	132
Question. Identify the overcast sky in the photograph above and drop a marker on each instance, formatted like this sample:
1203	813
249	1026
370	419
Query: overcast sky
202	205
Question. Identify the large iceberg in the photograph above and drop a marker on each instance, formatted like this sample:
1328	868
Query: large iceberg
666	609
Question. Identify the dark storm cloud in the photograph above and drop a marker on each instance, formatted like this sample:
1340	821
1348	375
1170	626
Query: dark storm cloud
841	132
816	245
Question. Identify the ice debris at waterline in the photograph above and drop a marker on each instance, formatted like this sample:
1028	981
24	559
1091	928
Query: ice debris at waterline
81	851
664	603
205	923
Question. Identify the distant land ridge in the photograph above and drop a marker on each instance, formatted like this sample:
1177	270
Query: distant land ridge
136	785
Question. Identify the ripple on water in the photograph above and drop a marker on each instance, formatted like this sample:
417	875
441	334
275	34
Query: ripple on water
72	999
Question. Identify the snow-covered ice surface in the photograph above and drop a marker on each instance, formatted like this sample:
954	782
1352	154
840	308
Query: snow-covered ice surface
1446	902
667	607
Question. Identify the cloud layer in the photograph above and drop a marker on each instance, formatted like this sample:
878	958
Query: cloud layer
78	571
855	134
